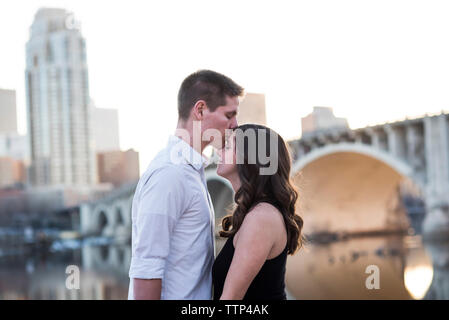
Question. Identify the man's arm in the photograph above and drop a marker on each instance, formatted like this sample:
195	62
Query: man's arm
147	289
161	203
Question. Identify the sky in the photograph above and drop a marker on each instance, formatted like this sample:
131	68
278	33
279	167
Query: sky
371	61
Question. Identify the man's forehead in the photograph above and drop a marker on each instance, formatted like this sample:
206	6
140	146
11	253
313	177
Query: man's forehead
232	103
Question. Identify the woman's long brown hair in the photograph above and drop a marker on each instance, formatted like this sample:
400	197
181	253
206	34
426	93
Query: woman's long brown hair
275	188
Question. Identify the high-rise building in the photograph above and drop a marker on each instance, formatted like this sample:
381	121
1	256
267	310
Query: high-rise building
57	89
105	129
8	112
322	118
252	109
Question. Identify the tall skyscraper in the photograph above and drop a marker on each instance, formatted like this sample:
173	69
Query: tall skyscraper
8	112
57	88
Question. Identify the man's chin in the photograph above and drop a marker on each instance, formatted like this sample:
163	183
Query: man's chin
217	144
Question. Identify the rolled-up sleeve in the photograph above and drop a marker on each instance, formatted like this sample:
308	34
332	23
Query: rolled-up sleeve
161	203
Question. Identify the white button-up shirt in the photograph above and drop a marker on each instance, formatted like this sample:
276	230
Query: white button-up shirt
173	225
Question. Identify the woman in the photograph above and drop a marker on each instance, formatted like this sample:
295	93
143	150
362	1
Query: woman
263	228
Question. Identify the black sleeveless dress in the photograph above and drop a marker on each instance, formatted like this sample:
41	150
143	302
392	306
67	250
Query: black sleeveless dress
269	283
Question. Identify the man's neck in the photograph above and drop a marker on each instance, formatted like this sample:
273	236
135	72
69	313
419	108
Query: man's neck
184	131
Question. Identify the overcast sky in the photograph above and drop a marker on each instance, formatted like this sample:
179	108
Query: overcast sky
372	61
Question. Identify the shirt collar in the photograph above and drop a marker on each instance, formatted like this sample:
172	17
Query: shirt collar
179	149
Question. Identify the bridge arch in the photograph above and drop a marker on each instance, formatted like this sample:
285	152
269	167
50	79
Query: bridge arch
351	188
121	212
101	218
398	165
222	195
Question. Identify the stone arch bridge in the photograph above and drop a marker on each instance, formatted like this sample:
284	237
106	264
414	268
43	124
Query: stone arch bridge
348	180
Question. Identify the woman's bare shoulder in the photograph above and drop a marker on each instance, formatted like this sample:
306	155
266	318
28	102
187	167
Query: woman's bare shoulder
264	215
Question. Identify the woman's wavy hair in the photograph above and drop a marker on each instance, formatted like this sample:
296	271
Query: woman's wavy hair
276	188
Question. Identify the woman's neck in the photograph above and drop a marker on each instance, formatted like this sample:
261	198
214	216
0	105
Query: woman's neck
235	182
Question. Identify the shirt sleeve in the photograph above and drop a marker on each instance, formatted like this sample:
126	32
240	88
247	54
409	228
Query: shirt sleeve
161	204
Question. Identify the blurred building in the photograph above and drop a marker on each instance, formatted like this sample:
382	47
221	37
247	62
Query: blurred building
322	118
8	118
105	129
57	92
118	167
252	109
14	145
12	171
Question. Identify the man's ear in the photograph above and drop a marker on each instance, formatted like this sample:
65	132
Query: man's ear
198	110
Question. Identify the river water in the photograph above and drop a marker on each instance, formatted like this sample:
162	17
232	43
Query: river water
406	269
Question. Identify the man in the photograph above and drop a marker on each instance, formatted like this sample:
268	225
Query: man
172	215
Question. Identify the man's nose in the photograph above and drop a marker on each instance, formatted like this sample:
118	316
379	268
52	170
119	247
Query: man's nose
234	123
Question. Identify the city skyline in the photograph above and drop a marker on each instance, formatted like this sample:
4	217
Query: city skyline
368	72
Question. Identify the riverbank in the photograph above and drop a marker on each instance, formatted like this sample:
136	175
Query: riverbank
325	237
27	241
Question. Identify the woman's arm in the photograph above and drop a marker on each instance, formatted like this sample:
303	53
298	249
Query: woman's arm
256	238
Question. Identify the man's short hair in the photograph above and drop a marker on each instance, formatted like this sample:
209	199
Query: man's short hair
207	85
